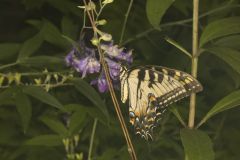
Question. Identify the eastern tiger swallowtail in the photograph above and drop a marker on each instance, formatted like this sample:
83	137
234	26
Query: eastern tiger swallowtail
150	89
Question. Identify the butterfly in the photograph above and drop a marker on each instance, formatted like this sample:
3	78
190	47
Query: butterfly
149	90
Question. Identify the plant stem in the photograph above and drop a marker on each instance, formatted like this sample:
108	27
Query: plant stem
125	21
8	65
38	73
111	90
192	106
117	108
92	138
41	85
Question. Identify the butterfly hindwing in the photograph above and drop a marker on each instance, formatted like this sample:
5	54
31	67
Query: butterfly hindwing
150	89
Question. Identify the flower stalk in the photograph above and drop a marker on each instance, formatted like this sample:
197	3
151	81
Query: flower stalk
192	106
111	89
92	138
125	21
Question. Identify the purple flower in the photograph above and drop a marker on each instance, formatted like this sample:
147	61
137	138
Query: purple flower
114	68
86	65
126	56
84	61
69	58
101	82
118	53
111	50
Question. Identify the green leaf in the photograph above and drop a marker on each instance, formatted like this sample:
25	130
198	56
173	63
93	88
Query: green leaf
230	101
38	24
87	90
72	42
55	126
65	6
174	110
178	46
220	28
108	154
30	46
24	108
49	140
92	111
230	56
42	95
197	145
53	35
77	121
69	28
7	50
42	61
156	9
7	96
229	42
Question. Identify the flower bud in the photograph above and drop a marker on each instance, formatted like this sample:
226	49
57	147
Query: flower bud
106	37
91	6
66	144
101	22
95	41
79	156
17	78
38	81
76	140
82	7
107	1
1	80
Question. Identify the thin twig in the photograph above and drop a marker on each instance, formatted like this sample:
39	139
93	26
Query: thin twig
41	85
125	21
113	95
100	11
192	106
38	73
175	44
8	65
138	36
92	138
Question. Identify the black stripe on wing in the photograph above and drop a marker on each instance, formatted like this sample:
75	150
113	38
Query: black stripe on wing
188	82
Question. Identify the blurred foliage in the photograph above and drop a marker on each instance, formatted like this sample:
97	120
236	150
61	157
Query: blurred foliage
55	120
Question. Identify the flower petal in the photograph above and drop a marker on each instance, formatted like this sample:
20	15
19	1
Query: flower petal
102	84
69	58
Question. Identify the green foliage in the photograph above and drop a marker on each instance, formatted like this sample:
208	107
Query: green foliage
178	46
228	102
230	56
24	108
83	87
55	126
39	61
197	144
156	9
7	50
45	140
213	30
30	46
42	95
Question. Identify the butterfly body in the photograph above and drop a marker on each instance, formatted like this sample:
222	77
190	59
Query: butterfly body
149	90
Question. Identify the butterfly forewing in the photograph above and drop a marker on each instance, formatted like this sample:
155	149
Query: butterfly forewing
150	89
